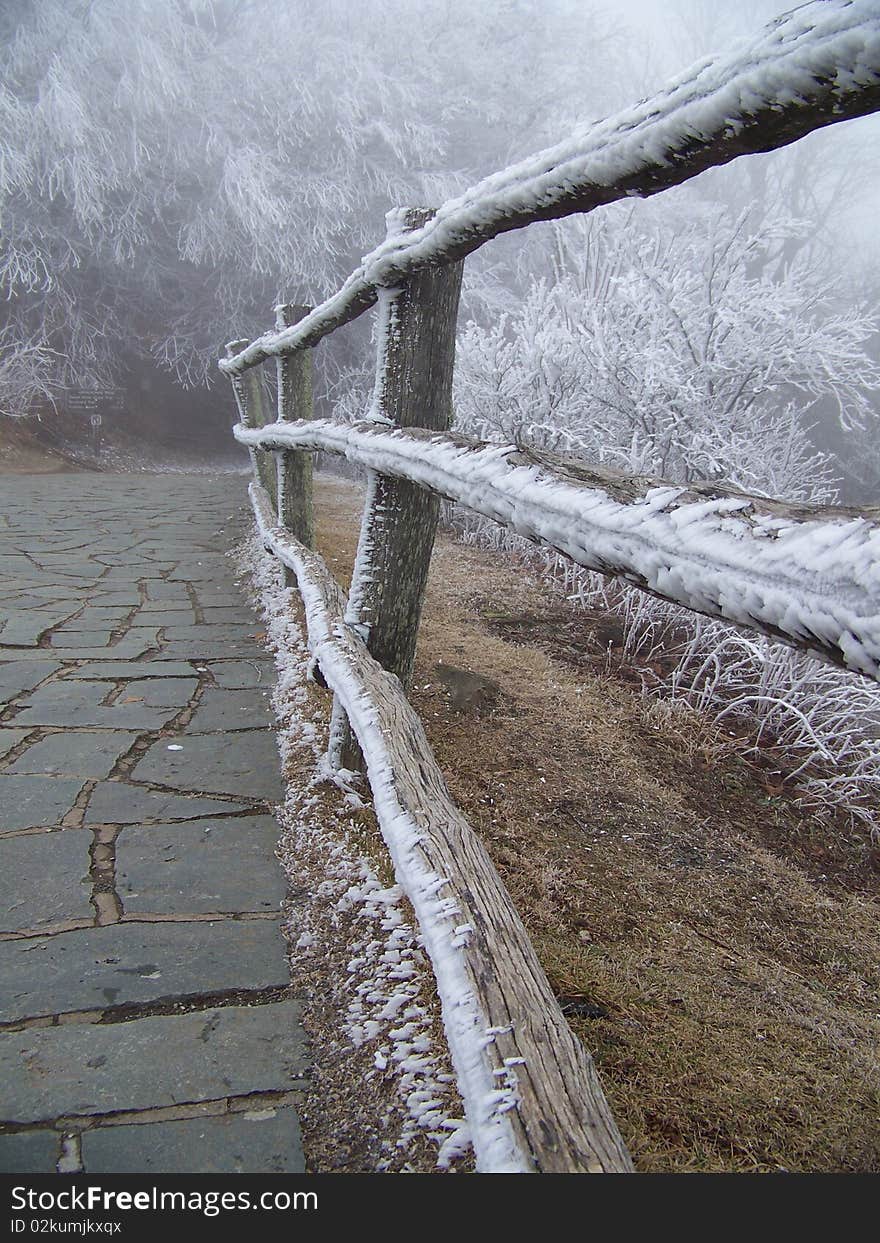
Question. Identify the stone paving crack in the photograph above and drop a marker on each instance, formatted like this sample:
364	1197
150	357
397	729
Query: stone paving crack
185	1003
196	605
70	1158
105	899
69	1126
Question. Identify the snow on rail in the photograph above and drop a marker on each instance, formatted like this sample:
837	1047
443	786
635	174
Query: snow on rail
811	67
531	1094
806	574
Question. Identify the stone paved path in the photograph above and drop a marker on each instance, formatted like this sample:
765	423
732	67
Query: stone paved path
146	1022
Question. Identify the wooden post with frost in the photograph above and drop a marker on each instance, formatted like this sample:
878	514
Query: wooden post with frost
241	401
252	382
248	392
294	466
414	366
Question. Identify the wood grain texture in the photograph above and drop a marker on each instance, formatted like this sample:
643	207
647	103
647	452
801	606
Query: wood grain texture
238	392
532	1086
414	368
252	398
295	504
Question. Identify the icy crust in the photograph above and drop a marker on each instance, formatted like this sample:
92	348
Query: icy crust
820	56
814	582
388	968
488	1091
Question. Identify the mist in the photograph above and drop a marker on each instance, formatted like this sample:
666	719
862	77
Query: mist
173	168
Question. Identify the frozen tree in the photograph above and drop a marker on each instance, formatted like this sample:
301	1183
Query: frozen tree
28	373
164	162
651	348
171	168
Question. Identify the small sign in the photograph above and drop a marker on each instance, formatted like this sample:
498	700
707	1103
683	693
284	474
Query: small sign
95	420
82	402
86	401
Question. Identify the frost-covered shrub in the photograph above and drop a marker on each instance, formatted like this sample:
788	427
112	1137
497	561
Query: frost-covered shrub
657	345
651	348
826	721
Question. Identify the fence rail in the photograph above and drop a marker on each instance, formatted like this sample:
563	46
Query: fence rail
813	67
809	575
806	574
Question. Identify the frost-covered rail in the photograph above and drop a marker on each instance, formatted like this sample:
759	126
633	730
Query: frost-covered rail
806	574
530	1090
811	67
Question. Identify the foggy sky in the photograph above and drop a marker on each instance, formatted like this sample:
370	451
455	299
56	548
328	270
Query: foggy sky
666	36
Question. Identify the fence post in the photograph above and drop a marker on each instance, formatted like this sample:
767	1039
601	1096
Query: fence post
294	466
415	360
241	399
253	388
248	390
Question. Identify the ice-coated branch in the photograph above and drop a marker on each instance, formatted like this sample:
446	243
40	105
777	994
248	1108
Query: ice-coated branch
806	574
812	67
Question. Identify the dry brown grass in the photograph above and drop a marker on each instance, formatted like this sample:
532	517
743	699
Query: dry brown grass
22	454
715	947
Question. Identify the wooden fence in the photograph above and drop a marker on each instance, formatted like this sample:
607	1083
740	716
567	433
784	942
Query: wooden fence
809	575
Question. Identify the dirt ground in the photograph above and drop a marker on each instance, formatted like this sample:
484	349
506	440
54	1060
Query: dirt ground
716	948
21	454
